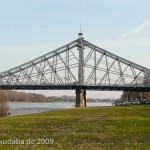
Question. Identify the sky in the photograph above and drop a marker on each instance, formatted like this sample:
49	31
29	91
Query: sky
30	28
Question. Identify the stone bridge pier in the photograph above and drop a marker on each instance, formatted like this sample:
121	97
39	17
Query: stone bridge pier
80	98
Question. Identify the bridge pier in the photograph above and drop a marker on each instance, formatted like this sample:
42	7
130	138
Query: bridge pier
80	98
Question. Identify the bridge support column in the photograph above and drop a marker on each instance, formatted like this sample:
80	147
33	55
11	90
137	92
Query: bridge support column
80	98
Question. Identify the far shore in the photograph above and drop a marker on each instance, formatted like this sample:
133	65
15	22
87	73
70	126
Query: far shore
38	102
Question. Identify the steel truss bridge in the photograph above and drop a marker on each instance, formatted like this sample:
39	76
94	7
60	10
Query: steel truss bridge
79	65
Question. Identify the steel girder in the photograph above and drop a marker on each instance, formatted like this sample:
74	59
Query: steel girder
62	67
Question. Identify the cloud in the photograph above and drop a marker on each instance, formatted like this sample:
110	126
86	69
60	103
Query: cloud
136	30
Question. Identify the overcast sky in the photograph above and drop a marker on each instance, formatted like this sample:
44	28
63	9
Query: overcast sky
30	28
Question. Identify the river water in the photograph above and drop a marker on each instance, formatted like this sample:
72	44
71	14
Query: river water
30	108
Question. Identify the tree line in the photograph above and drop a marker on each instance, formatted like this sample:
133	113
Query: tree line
15	96
131	95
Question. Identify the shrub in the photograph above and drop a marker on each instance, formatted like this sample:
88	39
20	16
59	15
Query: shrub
3	104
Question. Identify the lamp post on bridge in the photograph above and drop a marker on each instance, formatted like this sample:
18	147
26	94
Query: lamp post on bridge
80	92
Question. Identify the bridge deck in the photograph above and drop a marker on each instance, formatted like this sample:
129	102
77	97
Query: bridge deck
74	87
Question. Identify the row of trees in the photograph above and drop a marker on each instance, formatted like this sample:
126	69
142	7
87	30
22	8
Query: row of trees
14	96
131	95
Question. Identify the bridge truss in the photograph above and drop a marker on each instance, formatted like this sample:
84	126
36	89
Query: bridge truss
78	65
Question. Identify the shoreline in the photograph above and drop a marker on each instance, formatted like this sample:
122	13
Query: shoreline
54	102
35	102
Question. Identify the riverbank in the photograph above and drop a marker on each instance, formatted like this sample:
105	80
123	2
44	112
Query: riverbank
119	127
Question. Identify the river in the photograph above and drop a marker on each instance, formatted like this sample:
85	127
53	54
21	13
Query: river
22	108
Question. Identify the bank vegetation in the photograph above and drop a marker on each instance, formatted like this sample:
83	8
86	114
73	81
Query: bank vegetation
3	104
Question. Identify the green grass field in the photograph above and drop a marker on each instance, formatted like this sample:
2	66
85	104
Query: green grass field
114	128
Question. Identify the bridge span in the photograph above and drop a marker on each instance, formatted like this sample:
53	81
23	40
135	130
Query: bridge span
80	66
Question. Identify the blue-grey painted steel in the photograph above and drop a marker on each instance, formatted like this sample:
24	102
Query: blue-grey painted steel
75	65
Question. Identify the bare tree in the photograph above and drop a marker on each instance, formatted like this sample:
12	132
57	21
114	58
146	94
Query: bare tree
3	104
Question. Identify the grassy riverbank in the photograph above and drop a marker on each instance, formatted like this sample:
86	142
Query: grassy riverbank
122	127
